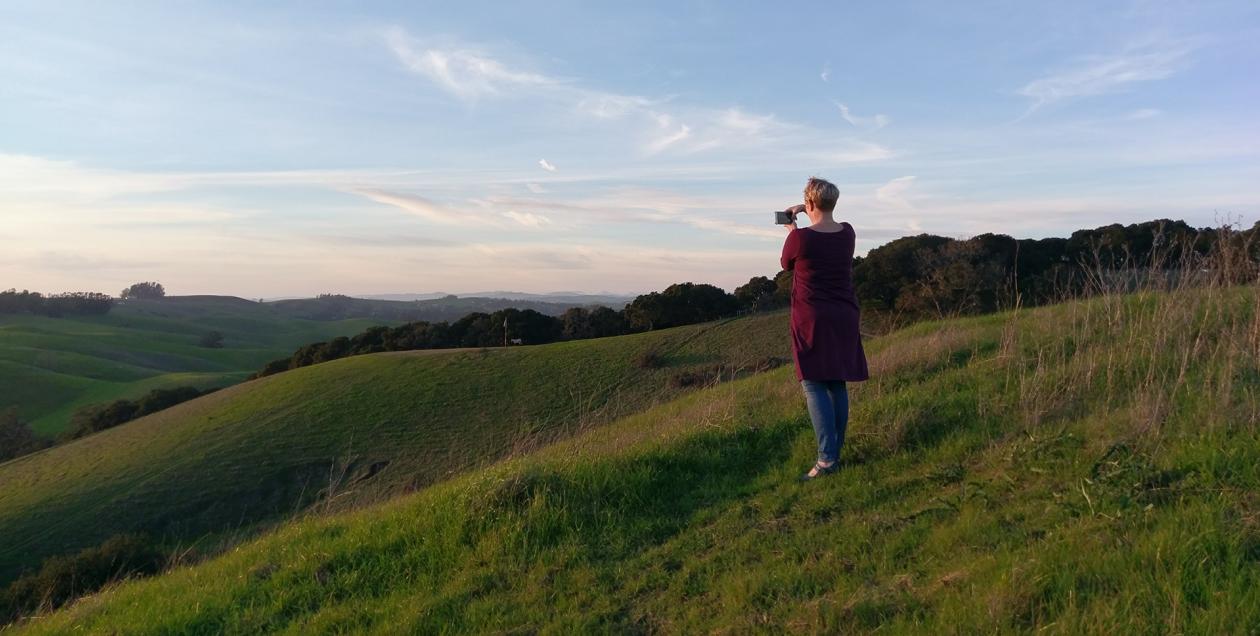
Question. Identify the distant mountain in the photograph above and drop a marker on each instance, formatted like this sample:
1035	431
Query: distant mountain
448	308
401	297
570	298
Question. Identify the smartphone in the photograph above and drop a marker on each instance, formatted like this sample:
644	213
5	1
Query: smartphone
782	218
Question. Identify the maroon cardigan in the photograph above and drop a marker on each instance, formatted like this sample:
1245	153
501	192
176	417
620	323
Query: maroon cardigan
826	343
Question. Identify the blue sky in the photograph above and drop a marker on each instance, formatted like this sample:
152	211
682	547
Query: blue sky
295	148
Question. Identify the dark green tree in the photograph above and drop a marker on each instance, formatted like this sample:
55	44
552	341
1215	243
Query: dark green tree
16	437
211	340
144	291
757	294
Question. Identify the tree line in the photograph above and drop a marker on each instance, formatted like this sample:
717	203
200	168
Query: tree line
13	301
929	276
17	438
98	417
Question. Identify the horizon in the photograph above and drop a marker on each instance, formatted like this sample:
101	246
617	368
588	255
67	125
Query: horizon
431	295
285	151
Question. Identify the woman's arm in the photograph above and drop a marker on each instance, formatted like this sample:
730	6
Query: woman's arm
791	249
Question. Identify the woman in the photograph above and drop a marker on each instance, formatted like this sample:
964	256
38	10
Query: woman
826	343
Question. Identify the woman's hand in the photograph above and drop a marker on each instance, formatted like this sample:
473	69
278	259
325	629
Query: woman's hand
794	210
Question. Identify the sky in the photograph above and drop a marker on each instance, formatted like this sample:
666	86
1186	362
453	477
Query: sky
294	148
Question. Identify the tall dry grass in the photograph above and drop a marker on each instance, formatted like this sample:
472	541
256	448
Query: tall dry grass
1174	341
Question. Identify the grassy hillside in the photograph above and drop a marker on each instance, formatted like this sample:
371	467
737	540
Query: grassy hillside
1091	467
345	432
50	367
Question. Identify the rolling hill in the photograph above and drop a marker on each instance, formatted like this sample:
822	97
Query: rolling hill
1082	468
50	367
350	431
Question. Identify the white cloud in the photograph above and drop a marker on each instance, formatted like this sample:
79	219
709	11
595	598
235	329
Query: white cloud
668	139
528	219
876	121
651	126
464	73
514	258
825	75
727	129
893	192
612	106
536	188
727	227
37	177
851	153
1144	113
736	120
1099	74
710	213
411	203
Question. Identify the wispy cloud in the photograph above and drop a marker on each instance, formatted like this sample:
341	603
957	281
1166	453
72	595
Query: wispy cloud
513	257
653	126
390	240
612	106
875	121
528	219
467	74
23	175
536	188
893	193
825	75
80	261
1144	113
671	133
417	205
738	121
1101	74
852	153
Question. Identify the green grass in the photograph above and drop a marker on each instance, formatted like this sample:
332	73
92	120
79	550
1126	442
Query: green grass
1088	467
1091	467
343	433
51	367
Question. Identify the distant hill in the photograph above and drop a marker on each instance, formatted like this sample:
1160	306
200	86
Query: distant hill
351	431
614	301
1080	468
446	308
49	367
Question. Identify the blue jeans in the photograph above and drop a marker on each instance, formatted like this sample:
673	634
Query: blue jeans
828	404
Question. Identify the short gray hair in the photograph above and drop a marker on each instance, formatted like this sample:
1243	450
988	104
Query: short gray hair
822	193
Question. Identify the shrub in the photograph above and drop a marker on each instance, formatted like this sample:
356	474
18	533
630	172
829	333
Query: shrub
98	417
211	340
650	359
16	437
64	578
